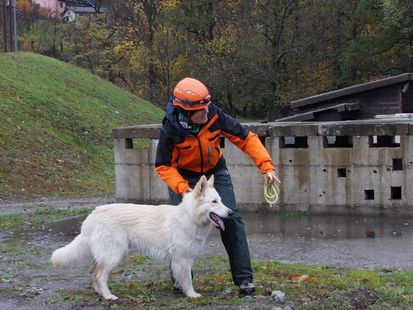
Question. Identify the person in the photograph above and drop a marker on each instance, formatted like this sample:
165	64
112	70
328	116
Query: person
189	146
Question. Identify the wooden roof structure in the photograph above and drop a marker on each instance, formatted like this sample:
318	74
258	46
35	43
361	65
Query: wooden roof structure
391	95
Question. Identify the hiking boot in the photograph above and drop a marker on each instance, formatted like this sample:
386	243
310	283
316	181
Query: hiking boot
247	288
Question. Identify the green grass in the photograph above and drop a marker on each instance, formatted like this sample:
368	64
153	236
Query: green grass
55	127
325	288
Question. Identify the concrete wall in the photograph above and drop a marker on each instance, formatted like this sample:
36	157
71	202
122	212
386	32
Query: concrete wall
137	181
316	177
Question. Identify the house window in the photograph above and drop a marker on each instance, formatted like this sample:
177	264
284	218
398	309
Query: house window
384	141
341	172
293	142
128	143
397	164
395	192
338	141
369	194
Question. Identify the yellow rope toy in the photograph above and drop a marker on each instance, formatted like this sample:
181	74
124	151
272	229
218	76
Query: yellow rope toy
271	190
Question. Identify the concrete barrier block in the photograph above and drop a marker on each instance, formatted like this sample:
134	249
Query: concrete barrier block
125	155
132	181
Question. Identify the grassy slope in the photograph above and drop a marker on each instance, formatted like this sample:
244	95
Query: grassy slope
55	127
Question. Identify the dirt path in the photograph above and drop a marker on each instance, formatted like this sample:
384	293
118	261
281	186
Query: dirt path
59	203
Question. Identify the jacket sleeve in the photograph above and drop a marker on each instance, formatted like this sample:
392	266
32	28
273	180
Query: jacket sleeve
164	167
247	141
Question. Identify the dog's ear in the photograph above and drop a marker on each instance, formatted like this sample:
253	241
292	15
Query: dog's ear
200	187
211	181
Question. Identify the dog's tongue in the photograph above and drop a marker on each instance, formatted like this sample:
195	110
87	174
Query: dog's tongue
221	223
218	220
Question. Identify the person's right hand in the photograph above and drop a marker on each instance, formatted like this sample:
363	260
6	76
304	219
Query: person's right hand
271	178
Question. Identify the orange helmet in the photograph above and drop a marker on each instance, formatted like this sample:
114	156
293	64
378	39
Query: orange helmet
191	94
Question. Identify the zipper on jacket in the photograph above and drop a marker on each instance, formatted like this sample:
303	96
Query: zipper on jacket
208	154
202	157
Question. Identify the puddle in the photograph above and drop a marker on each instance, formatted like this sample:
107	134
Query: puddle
354	241
327	227
350	241
46	235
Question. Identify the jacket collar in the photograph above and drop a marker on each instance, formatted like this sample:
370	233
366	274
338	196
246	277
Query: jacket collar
172	119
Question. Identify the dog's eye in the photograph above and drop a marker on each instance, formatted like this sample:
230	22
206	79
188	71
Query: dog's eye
214	201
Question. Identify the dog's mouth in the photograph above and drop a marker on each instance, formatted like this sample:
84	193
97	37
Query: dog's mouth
217	220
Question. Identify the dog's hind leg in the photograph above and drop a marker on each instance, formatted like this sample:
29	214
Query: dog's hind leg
92	274
103	269
181	270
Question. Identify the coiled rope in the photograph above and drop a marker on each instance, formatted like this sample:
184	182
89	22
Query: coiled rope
271	191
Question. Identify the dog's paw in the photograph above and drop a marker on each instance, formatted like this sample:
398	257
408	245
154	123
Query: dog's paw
110	297
193	295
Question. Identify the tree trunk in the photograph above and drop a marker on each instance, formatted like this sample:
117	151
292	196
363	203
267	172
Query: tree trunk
11	25
4	25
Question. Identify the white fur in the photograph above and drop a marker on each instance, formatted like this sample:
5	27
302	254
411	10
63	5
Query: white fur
170	233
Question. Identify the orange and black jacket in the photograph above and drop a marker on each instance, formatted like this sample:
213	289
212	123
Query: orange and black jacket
181	153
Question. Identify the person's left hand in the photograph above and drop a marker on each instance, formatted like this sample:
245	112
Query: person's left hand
271	178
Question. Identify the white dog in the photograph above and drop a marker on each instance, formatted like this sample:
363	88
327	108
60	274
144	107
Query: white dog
170	233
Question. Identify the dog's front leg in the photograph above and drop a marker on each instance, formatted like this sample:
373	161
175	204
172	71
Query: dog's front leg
181	270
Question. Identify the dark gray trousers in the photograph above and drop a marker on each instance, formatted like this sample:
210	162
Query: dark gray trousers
233	238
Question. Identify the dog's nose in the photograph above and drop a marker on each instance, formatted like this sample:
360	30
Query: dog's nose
230	212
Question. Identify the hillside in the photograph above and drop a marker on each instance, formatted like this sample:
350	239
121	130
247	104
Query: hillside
55	127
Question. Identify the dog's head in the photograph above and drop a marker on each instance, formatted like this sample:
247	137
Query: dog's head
208	206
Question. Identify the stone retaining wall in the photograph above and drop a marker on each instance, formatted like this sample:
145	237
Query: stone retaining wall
325	167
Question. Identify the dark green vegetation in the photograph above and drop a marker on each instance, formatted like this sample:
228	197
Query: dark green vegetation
27	278
256	56
55	127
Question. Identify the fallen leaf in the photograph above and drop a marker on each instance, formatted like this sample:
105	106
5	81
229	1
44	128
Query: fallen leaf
299	278
220	278
363	280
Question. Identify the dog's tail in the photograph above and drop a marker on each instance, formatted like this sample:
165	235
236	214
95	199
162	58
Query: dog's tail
75	252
